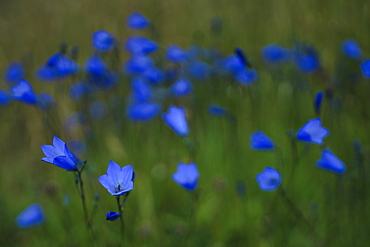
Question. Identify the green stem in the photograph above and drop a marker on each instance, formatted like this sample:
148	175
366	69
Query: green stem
120	210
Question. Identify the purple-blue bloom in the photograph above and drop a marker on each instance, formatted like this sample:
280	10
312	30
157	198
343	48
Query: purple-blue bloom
31	216
199	69
14	72
175	118
318	101
181	87
79	90
111	216
23	92
352	49
153	75
217	111
269	179
186	175
331	162
118	180
142	91
59	155
103	41
261	142
95	66
313	132
365	67
58	66
138	64
176	54
97	110
246	76
274	53
140	45
144	111
137	21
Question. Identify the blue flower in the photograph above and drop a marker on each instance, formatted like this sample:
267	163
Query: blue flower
103	41
176	120
217	111
313	132
95	66
138	45
232	64
331	162
365	67
14	72
143	111
59	155
111	216
138	64
269	179
186	176
97	110
58	66
274	53
352	49
141	90
181	87
137	21
153	75
176	54
23	92
246	76
31	216
5	97
79	90
260	141
199	70
318	101
118	180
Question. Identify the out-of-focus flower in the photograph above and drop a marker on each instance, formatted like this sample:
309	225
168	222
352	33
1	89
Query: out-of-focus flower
199	69
144	111
103	41
79	90
186	176
176	54
137	21
318	101
141	90
331	162
274	53
260	141
140	45
14	72
218	111
23	92
365	67
58	66
306	59
246	76
95	66
175	118
5	97
181	87
97	110
118	180
153	75
138	64
352	49
313	132
111	216
31	216
269	179
59	155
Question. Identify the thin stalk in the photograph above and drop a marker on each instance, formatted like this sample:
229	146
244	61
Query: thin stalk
120	210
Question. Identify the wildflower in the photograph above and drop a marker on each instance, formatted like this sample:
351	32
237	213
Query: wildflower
199	69
318	101
313	132
176	54
306	59
58	66
269	179
246	76
141	90
111	216
274	53
14	72
103	41
79	90
260	141
23	92
59	155
31	216
153	75
176	120
365	67
186	176
5	97
95	66
181	87
137	21
331	162
138	64
217	111
140	45
118	180
352	49
144	111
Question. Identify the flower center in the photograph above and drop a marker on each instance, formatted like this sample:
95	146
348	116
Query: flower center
118	188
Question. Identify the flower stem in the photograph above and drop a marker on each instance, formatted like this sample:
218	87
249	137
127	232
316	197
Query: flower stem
83	199
120	210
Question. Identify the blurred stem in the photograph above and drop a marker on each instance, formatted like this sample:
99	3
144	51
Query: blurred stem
120	210
83	198
280	158
190	148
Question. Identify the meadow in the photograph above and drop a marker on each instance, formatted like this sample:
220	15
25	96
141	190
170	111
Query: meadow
72	70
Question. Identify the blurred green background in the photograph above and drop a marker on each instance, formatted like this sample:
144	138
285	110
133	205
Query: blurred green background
157	210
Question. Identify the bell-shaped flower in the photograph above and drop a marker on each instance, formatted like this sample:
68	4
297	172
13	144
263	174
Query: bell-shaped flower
331	162
181	87
118	180
138	64
140	45
23	92
58	66
274	53
269	179
351	49
186	175
365	67
31	216
14	72
111	216
103	41
175	118
260	141
306	59
176	54
153	75
313	132
59	155
318	101
144	111
137	21
142	91
95	66
246	76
